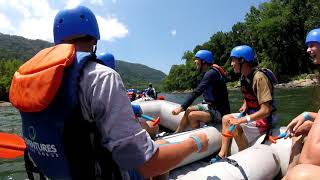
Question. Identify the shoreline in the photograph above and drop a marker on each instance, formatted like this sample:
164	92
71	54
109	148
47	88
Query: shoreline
310	80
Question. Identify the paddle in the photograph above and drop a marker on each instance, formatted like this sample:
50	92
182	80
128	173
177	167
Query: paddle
274	139
11	146
148	118
138	112
229	133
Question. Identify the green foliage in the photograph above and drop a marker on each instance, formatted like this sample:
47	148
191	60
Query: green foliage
138	76
7	69
276	30
21	49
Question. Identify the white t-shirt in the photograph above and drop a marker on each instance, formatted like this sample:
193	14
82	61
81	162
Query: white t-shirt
103	99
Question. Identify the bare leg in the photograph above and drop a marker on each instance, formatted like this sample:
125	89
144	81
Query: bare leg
195	117
224	140
184	123
297	145
240	138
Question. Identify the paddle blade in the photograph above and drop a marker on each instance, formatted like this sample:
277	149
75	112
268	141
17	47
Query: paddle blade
273	139
11	145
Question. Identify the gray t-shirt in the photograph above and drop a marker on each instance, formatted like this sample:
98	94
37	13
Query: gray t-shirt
103	99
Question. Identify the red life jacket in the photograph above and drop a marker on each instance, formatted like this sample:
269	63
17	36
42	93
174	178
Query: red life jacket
251	100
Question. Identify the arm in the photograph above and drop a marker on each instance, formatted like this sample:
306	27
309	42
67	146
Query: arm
311	150
264	111
294	127
130	145
167	157
205	82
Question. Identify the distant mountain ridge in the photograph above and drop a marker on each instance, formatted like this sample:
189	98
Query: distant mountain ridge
133	75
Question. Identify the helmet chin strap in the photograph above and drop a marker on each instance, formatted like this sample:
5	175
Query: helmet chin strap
94	49
241	63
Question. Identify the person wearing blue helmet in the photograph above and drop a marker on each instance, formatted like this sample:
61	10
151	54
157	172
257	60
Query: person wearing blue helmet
304	129
81	125
258	108
107	59
215	93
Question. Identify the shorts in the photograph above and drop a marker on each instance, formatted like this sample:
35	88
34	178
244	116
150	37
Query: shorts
215	115
250	130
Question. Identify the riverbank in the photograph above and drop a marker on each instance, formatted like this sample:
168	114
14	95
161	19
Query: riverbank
4	104
306	81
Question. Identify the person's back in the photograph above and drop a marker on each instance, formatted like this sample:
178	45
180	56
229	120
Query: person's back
77	119
150	92
216	91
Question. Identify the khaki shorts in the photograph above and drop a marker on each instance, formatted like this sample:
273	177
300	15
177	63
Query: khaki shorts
250	130
215	116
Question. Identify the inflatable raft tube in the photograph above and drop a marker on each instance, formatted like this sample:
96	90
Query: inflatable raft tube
162	109
258	163
214	144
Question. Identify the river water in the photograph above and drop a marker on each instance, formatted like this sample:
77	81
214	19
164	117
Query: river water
291	102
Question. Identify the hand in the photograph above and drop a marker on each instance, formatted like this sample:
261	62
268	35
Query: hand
304	128
203	139
243	108
235	121
177	110
294	125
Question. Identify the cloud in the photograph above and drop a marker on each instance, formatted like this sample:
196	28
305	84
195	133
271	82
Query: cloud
173	32
5	24
72	3
97	2
111	29
114	1
33	19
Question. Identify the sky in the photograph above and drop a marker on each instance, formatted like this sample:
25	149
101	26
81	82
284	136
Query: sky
155	33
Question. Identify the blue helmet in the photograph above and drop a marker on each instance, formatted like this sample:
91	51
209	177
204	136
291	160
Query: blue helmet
73	23
205	55
107	59
243	51
313	36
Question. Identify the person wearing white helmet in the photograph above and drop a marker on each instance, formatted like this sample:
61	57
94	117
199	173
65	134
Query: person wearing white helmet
214	90
257	112
77	120
305	129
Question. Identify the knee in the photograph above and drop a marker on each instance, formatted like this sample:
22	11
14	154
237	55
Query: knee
188	110
193	119
225	119
192	115
297	172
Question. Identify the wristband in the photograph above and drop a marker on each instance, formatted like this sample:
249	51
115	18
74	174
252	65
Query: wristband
199	145
306	116
248	118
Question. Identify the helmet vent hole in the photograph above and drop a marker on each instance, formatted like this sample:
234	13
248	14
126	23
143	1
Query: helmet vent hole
82	16
60	21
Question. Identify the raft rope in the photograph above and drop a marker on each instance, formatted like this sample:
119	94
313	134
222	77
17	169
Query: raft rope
235	164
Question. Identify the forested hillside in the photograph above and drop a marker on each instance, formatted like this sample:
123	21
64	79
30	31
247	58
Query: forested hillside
276	30
14	50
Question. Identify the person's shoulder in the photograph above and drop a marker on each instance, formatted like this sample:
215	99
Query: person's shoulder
259	75
95	68
212	72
